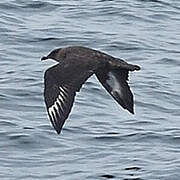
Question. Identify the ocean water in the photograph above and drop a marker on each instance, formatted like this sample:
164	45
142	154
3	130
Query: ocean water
100	140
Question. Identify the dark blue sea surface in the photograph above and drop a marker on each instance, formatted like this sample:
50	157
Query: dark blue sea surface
100	140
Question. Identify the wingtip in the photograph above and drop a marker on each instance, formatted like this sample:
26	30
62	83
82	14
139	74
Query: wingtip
58	131
131	110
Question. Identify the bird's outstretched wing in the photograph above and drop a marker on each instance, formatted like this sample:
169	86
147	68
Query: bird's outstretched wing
115	82
60	89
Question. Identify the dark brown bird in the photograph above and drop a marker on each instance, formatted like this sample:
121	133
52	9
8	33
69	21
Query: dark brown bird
75	65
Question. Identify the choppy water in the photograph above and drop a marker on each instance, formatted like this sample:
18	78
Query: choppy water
99	140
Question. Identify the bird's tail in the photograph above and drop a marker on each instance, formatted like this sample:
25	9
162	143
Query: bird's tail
120	63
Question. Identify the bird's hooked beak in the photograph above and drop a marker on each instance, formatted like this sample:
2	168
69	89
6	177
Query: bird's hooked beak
44	58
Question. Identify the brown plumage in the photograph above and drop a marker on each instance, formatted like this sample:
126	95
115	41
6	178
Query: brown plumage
76	65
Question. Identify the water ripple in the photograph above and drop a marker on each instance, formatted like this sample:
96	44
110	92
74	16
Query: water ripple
100	140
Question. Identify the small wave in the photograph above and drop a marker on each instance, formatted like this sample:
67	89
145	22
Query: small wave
108	137
6	123
168	61
107	176
43	39
132	168
20	136
35	5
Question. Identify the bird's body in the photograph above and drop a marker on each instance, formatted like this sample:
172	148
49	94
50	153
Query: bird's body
76	65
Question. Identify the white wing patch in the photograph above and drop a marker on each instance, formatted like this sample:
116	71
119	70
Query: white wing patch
114	84
57	107
64	91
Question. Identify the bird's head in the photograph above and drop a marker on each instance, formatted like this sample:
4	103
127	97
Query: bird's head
57	55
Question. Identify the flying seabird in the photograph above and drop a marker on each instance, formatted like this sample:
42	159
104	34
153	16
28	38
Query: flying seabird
75	65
